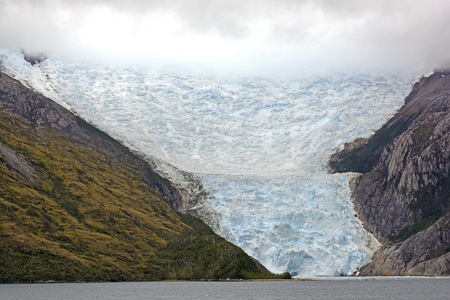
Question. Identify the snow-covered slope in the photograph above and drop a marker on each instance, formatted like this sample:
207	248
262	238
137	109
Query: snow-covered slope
259	146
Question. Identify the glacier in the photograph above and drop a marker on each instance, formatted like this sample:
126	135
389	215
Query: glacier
259	147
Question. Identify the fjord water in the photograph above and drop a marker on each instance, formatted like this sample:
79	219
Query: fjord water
368	288
259	147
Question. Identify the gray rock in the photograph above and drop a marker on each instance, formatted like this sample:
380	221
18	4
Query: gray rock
425	253
33	59
403	197
18	165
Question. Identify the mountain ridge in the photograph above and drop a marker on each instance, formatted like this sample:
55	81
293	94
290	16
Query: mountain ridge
402	195
78	206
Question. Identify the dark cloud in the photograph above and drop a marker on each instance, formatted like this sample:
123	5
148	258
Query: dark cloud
271	36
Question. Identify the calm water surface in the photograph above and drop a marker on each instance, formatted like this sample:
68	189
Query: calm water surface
391	288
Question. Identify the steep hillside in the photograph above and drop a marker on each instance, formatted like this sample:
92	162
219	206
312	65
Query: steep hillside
75	205
403	197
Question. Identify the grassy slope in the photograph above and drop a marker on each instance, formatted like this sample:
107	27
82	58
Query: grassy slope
93	217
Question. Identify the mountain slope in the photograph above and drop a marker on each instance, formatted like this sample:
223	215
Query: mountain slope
77	205
403	197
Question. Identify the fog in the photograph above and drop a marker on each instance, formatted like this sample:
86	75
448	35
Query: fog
258	37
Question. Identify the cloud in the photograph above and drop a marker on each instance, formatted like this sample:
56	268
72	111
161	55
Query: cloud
256	37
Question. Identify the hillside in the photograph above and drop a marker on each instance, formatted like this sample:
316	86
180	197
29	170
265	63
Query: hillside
75	205
403	195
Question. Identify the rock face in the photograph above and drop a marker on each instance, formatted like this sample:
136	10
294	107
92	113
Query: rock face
33	59
18	165
403	196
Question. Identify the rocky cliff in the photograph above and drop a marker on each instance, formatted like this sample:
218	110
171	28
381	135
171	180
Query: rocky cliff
76	205
403	194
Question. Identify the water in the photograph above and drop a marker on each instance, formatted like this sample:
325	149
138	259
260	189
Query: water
380	288
259	146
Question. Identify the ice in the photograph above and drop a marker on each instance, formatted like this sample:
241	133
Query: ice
259	146
279	219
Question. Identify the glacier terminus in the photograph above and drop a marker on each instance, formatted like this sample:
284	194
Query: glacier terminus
259	147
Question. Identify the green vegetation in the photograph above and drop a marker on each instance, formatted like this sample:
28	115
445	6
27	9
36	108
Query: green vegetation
93	216
195	254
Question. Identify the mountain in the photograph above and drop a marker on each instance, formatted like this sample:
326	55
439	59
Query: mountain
403	194
247	154
76	205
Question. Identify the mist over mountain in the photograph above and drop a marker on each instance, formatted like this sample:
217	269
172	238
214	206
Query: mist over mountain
263	37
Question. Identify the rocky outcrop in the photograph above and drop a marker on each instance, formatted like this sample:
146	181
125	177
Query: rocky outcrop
33	59
425	253
403	196
37	108
19	166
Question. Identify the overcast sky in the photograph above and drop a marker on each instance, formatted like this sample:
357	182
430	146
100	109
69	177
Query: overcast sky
251	36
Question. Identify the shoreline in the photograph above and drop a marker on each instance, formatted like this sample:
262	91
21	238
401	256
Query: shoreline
337	278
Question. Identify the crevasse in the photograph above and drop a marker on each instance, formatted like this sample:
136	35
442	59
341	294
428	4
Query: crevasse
260	147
